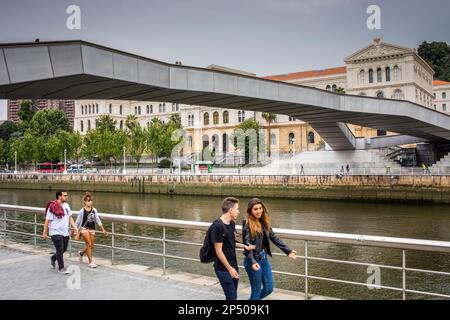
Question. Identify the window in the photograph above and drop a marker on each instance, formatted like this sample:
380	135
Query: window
396	73
397	94
206	119
81	126
164	107
148	109
273	139
190	120
444	107
291	138
291	118
139	110
82	109
135	110
215	117
190	141
89	125
380	94
388	74
89	109
434	95
328	88
226	117
362	77
96	123
444	95
110	108
311	137
120	109
333	88
379	75
160	108
96	108
381	133
224	143
239	116
121	124
151	108
370	76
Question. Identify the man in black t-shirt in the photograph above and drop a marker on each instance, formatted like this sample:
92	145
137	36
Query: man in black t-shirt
223	236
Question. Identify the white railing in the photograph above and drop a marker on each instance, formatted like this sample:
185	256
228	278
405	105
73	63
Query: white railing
402	244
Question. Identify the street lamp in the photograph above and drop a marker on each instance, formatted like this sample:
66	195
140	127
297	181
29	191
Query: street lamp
15	166
124	171
65	161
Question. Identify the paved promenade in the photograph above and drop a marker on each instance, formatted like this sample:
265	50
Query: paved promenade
25	273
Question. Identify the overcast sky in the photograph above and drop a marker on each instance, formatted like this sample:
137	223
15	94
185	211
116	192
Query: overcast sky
265	37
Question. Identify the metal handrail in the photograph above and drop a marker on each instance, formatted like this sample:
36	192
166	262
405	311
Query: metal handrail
306	236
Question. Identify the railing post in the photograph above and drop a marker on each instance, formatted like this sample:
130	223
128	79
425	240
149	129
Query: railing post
35	230
164	250
306	270
4	226
112	242
403	274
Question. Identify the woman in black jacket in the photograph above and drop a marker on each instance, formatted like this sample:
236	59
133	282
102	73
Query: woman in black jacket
257	231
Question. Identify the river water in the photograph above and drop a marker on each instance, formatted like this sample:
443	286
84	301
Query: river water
396	220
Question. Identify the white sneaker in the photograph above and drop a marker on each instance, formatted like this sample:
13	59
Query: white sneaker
92	265
64	271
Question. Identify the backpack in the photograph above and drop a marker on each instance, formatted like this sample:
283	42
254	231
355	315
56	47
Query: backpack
208	251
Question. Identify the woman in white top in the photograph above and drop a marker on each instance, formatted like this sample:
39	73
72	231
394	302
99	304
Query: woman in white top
86	222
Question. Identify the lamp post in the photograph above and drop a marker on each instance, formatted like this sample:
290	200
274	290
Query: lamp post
15	161
65	161
124	171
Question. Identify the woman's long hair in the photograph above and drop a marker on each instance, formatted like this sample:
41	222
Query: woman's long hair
255	224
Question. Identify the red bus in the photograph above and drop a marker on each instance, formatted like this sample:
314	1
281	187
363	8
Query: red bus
49	167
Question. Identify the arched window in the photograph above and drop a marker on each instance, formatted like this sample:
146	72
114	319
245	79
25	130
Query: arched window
224	143
379	75
215	117
311	137
206	119
291	138
328	88
120	109
139	109
396	73
89	125
226	117
81	125
89	109
380	94
362	77
148	109
215	141
370	75
151	108
190	141
397	94
121	124
239	116
135	110
190	120
273	139
243	115
85	109
205	140
96	108
388	74
333	88
82	109
110	108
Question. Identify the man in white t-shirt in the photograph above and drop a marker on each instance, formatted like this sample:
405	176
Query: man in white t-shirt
57	222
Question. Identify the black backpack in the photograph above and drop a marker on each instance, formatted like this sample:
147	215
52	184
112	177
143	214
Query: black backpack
208	251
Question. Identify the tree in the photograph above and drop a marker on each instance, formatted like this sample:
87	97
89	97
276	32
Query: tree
26	112
101	144
106	122
131	122
159	137
54	148
2	149
139	143
120	140
340	90
47	122
437	55
7	128
246	137
269	117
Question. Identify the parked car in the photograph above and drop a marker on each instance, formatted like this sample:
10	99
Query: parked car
75	168
91	170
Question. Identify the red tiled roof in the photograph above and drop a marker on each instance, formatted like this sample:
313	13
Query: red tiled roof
440	83
307	74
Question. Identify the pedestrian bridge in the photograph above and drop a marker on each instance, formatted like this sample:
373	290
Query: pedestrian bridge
82	70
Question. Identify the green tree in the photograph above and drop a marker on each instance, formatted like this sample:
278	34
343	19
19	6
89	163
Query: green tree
47	122
2	149
139	143
15	146
246	137
99	144
54	148
26	112
106	122
160	140
340	90
7	128
437	55
131	121
120	140
269	117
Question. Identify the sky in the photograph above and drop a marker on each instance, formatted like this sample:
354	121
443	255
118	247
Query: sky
265	37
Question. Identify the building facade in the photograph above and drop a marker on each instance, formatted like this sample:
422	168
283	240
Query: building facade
441	96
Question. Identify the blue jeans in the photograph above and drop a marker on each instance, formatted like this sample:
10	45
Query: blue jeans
229	285
261	281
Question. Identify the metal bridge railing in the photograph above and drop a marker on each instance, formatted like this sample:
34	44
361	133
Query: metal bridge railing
402	244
